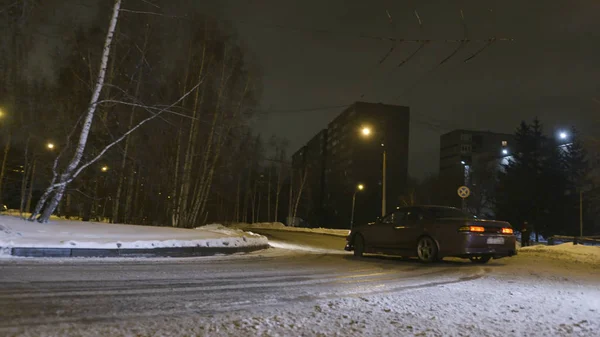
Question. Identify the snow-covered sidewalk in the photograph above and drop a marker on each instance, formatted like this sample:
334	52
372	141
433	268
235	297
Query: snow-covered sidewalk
18	233
566	251
282	227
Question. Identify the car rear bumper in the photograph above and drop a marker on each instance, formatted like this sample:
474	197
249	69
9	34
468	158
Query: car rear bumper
474	244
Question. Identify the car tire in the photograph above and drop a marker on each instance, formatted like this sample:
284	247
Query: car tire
480	259
359	246
427	250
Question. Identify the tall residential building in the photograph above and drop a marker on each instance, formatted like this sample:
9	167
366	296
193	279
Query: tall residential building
339	158
463	151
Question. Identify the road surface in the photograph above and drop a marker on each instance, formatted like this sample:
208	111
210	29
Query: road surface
308	287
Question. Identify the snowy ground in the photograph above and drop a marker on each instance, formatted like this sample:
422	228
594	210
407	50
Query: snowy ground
543	291
15	232
282	227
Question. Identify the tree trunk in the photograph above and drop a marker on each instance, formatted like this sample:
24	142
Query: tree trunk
117	200
26	169
183	202
258	206
237	200
87	123
269	194
278	192
174	195
31	185
300	189
254	201
3	167
290	202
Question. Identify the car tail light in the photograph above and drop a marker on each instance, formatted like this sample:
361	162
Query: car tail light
471	229
507	230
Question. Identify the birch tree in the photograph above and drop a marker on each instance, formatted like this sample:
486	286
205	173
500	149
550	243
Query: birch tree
59	182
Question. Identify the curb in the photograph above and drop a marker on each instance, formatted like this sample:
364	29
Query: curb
131	252
257	230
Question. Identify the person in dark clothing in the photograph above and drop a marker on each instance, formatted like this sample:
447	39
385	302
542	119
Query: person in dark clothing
525	234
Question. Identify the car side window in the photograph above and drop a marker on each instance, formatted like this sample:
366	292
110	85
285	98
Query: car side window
414	216
394	218
389	219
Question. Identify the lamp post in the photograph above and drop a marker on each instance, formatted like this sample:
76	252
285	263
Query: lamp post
359	187
366	132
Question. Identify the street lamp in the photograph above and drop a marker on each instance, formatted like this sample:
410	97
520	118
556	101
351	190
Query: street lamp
504	152
1	113
563	135
104	168
366	132
359	187
50	146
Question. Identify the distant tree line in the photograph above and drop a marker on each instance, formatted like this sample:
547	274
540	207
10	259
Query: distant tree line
167	141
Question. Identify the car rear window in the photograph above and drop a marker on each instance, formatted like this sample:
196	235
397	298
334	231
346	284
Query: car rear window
445	213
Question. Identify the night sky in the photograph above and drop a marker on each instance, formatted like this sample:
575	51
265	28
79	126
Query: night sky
551	70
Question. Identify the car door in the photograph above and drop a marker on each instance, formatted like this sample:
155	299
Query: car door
390	233
411	228
375	234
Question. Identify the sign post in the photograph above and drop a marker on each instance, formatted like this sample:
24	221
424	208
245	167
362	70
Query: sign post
464	192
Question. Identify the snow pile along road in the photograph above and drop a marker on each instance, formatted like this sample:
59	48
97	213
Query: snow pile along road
16	232
282	227
569	251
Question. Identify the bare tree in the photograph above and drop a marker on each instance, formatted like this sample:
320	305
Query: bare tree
75	167
300	189
4	159
59	188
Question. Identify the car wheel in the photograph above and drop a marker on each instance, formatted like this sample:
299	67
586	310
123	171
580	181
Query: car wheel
427	250
479	259
359	246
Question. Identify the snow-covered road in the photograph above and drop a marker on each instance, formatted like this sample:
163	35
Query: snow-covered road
282	292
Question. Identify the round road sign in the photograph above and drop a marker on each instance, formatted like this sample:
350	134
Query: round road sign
464	192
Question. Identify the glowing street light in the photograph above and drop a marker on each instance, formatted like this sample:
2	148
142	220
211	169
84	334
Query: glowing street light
50	146
359	187
366	131
563	135
1	113
504	152
104	168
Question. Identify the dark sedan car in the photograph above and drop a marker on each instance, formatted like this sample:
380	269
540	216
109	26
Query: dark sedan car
433	232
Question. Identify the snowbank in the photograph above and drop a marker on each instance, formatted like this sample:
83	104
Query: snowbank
579	253
280	226
15	232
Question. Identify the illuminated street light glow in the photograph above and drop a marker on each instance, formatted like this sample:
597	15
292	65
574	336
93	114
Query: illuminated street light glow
563	135
366	131
360	187
104	168
504	151
50	146
462	162
1	113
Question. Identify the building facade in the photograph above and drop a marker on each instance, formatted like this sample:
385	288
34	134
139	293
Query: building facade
466	157
339	158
